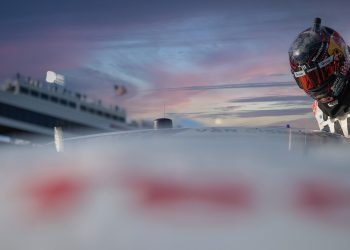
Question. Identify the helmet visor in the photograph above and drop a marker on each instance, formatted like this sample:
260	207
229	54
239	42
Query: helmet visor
315	77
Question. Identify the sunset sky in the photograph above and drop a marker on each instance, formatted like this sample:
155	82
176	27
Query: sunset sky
210	63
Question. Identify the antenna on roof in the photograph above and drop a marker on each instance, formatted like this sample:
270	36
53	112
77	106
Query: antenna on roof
289	138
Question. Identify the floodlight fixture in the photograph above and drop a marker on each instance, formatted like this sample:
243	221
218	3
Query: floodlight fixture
52	77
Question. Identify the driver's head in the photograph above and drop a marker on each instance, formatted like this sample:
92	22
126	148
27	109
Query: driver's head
319	60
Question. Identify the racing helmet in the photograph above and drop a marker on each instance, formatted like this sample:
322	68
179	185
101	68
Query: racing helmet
319	60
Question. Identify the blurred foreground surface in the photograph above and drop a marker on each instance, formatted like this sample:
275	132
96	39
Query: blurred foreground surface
210	188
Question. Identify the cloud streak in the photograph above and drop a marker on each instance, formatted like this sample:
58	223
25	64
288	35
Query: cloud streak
233	86
273	112
282	98
246	113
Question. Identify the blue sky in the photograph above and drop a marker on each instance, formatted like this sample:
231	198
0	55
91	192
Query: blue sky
209	62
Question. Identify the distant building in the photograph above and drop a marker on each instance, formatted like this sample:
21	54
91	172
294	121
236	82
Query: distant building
31	108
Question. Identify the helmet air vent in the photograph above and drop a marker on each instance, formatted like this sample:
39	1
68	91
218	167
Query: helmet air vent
317	24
